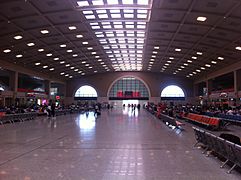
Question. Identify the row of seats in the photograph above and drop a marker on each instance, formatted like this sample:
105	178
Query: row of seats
11	118
226	149
21	117
205	120
234	118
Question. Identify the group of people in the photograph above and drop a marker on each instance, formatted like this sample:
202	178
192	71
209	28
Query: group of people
172	110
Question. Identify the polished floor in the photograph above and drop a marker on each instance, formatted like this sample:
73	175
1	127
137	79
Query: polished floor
118	145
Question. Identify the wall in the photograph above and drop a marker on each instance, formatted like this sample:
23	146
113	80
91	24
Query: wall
102	83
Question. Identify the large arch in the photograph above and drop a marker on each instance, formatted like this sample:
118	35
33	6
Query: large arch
172	92
85	92
130	86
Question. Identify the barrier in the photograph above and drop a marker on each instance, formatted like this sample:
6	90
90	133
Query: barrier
228	150
171	121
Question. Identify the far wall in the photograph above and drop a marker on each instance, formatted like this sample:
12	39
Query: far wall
155	82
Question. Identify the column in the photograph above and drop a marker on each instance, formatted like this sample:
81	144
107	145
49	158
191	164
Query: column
13	84
47	86
237	85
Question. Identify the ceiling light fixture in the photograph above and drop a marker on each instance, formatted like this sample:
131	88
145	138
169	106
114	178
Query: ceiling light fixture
18	37
7	50
201	18
44	31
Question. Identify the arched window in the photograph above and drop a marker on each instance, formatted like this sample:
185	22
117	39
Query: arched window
86	91
128	88
172	91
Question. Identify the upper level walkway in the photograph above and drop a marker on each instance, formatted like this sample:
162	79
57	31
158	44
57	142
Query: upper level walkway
118	145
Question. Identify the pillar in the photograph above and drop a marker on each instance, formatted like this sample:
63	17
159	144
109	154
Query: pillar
13	84
47	86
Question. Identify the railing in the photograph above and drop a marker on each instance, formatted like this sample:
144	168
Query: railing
228	150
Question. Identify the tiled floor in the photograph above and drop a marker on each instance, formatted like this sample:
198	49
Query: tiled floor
118	145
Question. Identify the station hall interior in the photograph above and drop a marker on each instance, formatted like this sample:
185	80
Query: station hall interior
120	89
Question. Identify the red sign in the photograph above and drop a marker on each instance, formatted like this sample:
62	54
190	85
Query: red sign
57	97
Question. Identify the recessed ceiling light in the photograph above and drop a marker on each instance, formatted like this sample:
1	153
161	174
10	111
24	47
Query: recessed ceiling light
156	47
44	31
18	37
48	55
207	65
37	63
214	62
89	48
112	2
142	2
76	70
79	36
72	67
7	50
62	73
85	42
201	18
56	59
45	67
82	74
19	56
62	45
70	77
40	50
30	44
171	58
198	70
83	3
69	50
203	68
177	49
95	71
199	53
51	69
238	48
66	75
75	55
72	28
185	64
194	57
221	58
189	61
67	65
62	62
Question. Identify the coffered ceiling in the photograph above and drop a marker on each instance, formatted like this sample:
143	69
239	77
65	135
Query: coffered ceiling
73	38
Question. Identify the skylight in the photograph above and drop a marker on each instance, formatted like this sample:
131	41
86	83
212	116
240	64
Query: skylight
114	35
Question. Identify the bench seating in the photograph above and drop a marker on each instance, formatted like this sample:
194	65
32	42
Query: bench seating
226	149
11	118
205	120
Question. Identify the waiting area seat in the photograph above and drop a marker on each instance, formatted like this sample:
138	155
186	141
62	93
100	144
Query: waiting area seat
212	122
11	118
225	117
224	148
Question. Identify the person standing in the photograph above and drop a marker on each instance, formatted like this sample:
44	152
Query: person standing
53	109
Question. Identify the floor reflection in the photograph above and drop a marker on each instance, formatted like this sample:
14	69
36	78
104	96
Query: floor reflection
130	111
86	121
